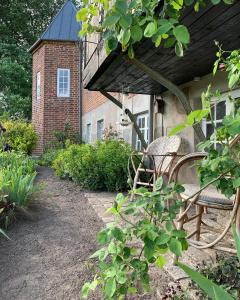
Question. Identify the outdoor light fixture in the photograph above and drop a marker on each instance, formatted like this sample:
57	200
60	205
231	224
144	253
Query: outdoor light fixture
160	105
124	120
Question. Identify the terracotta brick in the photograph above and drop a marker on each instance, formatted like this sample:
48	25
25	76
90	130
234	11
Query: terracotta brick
91	100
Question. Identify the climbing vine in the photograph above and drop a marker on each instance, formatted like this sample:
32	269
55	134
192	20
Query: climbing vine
128	22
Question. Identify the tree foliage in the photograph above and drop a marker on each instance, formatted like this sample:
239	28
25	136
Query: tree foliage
128	22
21	24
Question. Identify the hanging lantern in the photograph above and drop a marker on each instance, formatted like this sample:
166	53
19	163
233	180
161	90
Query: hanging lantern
124	120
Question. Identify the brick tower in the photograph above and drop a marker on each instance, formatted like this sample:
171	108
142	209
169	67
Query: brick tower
56	77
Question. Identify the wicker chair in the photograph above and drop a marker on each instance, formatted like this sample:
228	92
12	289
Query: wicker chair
159	157
202	199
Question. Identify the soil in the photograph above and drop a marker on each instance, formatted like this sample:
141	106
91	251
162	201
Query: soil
46	256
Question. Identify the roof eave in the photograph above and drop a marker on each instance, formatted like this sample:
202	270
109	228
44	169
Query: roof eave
38	42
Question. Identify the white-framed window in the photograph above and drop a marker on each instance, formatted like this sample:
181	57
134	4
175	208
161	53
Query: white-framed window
63	83
38	85
219	110
143	124
88	133
100	128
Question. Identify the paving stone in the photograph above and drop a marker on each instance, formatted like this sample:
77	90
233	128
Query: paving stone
107	219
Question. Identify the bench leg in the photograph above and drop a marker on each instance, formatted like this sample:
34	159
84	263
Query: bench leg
199	212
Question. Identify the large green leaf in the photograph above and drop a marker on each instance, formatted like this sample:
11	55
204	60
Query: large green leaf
136	33
161	261
110	287
164	28
118	234
179	49
205	284
102	237
148	248
215	2
181	33
150	29
125	21
175	247
121	277
111	20
82	14
124	37
85	290
111	43
121	5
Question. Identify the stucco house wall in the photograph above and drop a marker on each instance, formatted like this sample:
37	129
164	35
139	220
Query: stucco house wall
174	114
111	114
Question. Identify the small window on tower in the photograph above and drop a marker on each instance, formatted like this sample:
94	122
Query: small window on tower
63	83
38	86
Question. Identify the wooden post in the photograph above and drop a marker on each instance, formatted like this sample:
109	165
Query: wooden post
130	115
172	88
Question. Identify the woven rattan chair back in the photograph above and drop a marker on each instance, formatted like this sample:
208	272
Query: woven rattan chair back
161	150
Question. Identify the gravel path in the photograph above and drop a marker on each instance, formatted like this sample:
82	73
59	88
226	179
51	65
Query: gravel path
45	258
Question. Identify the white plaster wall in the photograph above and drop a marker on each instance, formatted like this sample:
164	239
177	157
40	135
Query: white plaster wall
111	114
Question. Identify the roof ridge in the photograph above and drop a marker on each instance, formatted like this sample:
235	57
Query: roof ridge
57	14
63	26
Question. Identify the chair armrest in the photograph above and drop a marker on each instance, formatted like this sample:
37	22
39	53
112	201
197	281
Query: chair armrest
137	153
161	155
185	159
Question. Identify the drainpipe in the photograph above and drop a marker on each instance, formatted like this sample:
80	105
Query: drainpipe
151	112
80	95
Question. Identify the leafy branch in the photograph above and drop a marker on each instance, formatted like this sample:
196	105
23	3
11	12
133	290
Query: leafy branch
128	249
129	22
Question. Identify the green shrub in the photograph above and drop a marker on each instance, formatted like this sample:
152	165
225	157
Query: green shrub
20	135
100	167
112	157
47	158
78	162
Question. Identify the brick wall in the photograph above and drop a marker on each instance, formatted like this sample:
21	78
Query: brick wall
38	105
51	112
91	100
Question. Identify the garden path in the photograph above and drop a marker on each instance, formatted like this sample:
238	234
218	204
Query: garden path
45	258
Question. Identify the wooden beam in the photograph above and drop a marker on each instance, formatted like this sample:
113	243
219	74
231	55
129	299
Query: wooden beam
130	115
172	88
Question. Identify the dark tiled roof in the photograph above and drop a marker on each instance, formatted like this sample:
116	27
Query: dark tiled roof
63	27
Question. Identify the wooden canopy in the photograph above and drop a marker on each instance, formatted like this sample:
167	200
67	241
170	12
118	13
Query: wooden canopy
220	23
